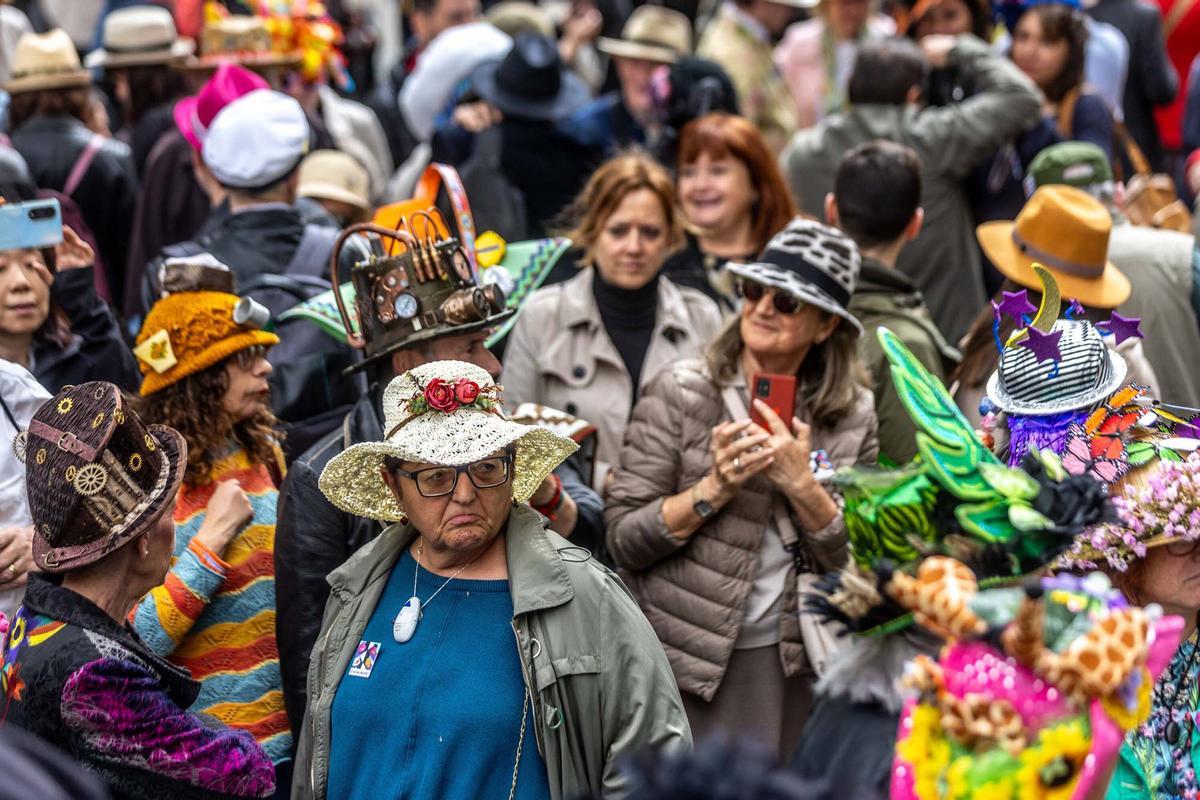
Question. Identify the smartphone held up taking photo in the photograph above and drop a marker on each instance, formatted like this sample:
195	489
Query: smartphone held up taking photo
34	224
778	392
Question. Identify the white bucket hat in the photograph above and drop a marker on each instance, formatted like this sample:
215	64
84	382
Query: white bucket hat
444	412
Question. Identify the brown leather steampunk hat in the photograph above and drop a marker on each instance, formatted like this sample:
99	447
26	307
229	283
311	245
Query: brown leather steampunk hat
420	287
96	476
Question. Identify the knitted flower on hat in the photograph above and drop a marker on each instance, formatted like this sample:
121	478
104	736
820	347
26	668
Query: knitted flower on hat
188	332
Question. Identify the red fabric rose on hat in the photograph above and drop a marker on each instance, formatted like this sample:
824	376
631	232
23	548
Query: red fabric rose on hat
441	396
466	391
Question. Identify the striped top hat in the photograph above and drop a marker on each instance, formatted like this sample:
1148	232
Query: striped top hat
1087	372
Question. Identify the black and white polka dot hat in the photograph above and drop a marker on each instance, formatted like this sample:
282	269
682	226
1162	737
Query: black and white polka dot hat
815	263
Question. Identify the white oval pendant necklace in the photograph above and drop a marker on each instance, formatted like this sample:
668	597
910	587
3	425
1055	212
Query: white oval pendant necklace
405	623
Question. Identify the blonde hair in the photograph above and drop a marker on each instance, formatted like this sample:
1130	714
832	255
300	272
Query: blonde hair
609	185
829	378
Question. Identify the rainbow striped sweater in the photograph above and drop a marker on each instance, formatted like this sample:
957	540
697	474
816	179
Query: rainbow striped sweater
215	615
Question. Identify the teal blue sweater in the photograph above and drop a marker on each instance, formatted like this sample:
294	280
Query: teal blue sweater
438	716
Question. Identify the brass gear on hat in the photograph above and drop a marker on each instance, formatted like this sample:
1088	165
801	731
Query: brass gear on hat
65	405
135	462
40	456
70	473
150	443
90	479
97	420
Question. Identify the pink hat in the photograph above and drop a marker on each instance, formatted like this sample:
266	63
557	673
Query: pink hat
194	114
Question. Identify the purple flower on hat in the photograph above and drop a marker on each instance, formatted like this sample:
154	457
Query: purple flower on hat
1044	346
1122	327
1016	305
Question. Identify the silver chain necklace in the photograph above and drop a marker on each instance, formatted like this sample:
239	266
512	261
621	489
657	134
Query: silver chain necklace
405	623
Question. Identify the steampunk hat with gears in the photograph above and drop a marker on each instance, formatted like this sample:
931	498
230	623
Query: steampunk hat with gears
96	476
419	282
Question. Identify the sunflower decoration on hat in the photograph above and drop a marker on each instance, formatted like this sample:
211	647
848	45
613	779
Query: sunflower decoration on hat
1034	690
199	322
954	498
446	413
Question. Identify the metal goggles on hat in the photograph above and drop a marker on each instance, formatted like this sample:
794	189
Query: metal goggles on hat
96	476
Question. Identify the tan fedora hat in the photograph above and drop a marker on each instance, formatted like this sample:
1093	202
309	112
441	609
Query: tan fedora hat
518	16
140	36
1065	230
46	61
334	175
651	33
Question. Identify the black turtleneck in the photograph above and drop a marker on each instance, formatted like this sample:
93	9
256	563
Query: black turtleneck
628	316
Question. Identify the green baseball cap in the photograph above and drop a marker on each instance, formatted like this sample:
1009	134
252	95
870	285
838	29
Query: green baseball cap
1078	164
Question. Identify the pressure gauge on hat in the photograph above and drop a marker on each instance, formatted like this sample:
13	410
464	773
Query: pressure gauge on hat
406	305
463	267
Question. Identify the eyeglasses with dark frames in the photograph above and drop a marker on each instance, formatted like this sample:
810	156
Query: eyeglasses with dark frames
487	473
784	303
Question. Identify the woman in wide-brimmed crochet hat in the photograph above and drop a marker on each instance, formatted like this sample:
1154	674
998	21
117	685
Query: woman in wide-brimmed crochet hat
102	487
500	655
205	374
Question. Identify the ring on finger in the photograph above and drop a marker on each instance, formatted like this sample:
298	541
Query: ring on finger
737	464
12	570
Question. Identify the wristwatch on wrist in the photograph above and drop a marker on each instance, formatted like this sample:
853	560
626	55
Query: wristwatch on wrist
704	509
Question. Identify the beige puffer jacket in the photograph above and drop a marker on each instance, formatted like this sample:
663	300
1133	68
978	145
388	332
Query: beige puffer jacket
694	592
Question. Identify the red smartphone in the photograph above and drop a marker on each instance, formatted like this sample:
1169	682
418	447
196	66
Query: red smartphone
778	392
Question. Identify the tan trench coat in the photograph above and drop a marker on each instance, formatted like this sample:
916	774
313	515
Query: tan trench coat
560	355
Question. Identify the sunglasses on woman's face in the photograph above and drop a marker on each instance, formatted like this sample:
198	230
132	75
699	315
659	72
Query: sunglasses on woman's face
784	303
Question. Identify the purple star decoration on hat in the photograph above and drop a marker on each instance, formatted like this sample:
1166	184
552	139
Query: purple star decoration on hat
1044	346
1016	305
1123	327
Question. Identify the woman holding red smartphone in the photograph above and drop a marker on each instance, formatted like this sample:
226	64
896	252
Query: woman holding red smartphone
704	498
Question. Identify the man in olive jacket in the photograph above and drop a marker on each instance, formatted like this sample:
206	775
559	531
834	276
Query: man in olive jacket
884	91
876	202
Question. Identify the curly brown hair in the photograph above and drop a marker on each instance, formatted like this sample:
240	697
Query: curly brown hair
193	407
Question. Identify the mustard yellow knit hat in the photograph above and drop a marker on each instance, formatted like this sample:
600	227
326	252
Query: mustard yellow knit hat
187	332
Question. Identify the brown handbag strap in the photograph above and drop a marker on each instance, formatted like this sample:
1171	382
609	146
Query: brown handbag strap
1137	159
1066	113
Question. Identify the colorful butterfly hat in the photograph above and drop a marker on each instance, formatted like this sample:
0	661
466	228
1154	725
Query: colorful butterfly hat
1060	387
954	498
1034	689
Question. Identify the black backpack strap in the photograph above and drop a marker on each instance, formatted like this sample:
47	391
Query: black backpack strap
312	254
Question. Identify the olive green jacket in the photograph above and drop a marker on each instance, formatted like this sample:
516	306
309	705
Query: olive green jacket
888	298
600	681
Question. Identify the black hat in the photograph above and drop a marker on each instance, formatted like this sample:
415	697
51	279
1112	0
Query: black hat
530	82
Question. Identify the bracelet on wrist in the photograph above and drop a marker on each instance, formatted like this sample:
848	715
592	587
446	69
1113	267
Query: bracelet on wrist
550	509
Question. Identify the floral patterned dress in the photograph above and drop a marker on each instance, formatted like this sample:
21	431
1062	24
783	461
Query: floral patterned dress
1150	767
